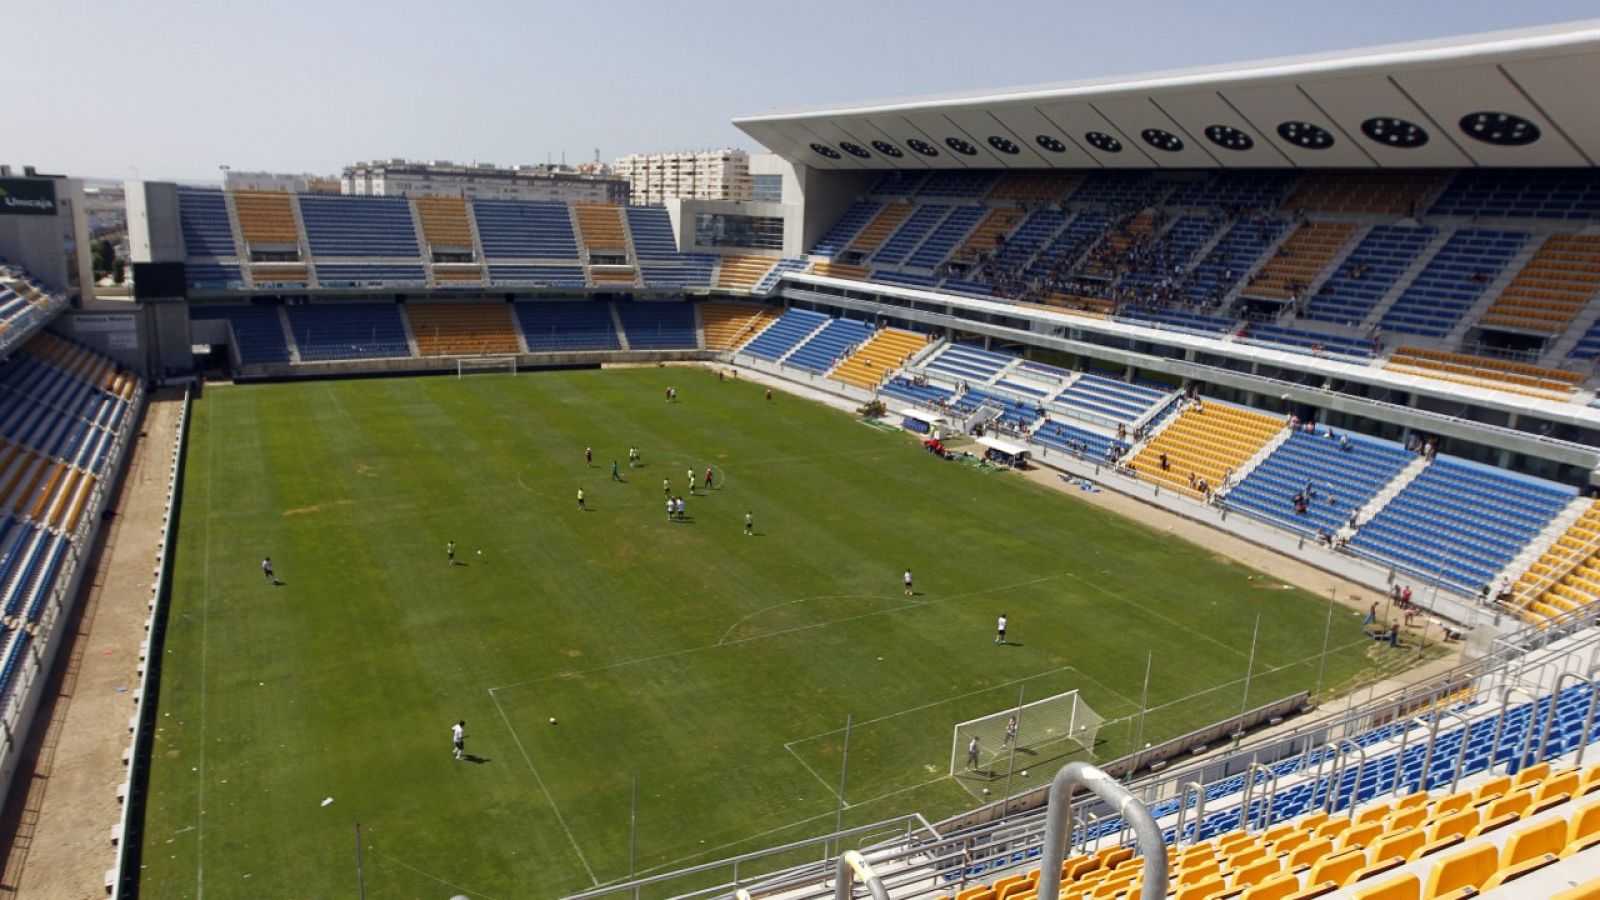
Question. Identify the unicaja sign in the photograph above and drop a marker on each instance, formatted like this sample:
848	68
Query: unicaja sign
27	197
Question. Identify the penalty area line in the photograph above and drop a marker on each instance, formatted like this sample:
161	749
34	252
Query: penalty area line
545	790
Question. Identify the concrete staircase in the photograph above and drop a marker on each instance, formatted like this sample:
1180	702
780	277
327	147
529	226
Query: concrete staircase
1494	289
1551	533
288	334
1391	490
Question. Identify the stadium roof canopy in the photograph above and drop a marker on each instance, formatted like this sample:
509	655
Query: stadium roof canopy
1509	98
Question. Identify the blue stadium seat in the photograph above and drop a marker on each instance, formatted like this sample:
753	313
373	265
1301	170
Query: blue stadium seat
521	229
328	331
783	335
658	325
552	325
354	226
830	346
257	329
1342	479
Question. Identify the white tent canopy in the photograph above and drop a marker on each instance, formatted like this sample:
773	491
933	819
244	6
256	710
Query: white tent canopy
1005	447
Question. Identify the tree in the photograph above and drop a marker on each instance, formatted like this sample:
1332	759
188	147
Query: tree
118	271
104	255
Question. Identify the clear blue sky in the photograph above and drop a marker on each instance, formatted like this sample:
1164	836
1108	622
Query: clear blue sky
175	89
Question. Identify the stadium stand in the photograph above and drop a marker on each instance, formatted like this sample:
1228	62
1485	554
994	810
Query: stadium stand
354	226
1336	479
782	336
885	351
1460	523
556	325
1033	187
845	230
1395	193
769	280
203	214
1567	576
965	363
882	225
898	183
1490	373
1299	260
1552	288
257	330
1207	441
600	224
462	329
266	218
1521	194
657	325
956	183
1452	280
944	239
1098	399
742	273
910	234
1367	274
727	325
369	275
444	223
348	331
990	234
827	348
525	230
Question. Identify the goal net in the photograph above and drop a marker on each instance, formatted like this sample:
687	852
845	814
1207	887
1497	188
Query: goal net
1028	735
470	365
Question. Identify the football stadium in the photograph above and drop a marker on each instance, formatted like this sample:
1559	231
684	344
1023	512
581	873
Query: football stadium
1184	484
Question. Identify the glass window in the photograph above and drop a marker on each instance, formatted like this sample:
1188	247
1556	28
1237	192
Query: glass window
767	188
723	230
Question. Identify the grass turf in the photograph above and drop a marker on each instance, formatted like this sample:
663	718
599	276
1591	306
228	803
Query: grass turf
715	668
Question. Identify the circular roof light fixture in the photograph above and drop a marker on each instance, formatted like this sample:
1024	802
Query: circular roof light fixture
1499	128
1054	145
827	151
1229	138
960	146
856	150
1306	135
888	149
1103	142
1004	145
922	146
1162	140
1393	132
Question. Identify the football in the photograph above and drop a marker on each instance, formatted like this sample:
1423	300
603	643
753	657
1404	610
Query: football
552	720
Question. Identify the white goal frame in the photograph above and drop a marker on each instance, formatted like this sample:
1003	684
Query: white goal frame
468	365
1046	729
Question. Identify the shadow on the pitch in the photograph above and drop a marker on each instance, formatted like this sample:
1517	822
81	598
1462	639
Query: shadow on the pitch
1008	644
277	583
473	758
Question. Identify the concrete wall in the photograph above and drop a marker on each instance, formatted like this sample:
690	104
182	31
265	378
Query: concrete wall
824	197
154	232
53	248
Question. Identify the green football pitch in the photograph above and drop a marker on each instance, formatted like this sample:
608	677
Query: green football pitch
714	670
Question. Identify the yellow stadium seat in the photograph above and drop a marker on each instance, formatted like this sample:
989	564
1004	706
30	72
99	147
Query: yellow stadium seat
1530	775
1320	889
1275	887
1409	801
1339	867
1202	890
1406	818
1584	829
1494	788
1453	803
1372	814
1361	835
1403	887
1461	873
1256	871
1309	853
1528	848
982	892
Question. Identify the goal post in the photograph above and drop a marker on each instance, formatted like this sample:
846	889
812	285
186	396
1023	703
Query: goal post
1043	730
470	365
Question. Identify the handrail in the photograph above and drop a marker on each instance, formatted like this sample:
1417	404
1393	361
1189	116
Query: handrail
1183	809
1500	721
1245	819
1058	828
852	861
1550	718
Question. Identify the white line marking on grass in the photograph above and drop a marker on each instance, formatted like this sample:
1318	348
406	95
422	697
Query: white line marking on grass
789	746
429	875
551	800
770	634
743	619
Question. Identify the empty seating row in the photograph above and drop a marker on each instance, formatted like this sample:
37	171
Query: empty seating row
830	346
525	230
339	225
553	325
1334	478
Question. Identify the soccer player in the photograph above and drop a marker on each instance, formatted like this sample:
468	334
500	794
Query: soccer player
614	475
972	753
266	569
666	488
458	737
580	499
691	482
450	552
769	393
633	457
1011	732
680	509
708	478
1000	630
672	508
909	591
588	456
749	524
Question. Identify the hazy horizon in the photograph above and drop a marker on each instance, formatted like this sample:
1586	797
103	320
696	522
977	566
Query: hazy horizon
289	86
